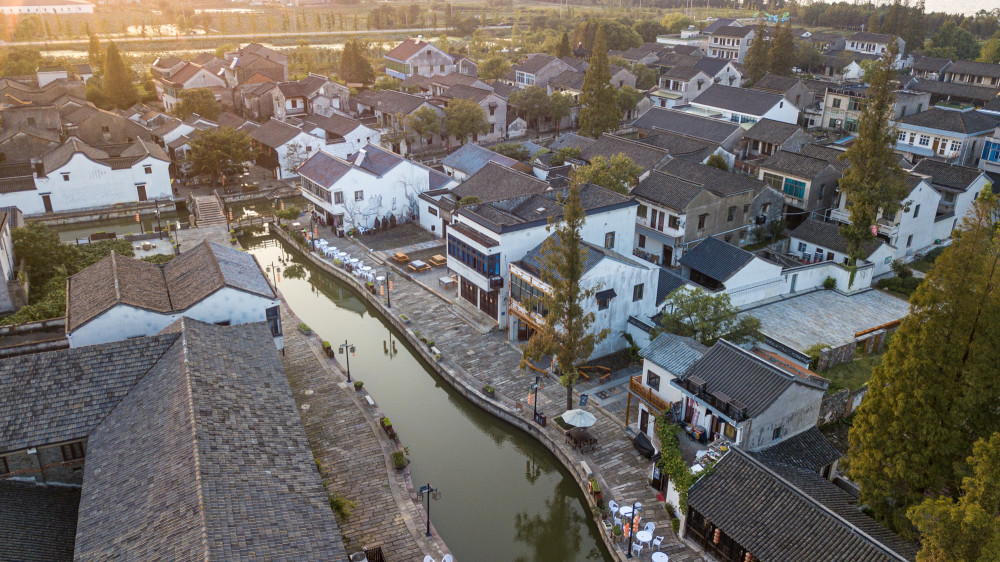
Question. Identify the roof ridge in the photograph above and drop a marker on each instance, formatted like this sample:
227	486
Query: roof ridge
189	397
114	275
215	261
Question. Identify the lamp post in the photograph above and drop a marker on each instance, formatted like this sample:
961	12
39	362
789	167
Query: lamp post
534	402
347	349
388	287
159	229
635	512
429	492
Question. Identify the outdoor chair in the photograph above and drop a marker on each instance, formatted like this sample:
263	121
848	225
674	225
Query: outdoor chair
429	559
448	558
613	506
618	522
657	542
650	527
637	548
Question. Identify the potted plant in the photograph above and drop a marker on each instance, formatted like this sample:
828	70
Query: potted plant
595	489
387	426
338	263
358	385
430	344
305	329
370	286
327	348
617	532
399	460
489	391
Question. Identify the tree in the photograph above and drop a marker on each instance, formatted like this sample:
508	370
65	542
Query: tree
199	100
443	43
566	333
295	156
675	22
757	61
563	49
991	50
628	99
599	111
717	161
559	108
354	66
874	183
20	61
967	529
465	117
43	254
29	28
119	90
807	57
424	122
220	153
514	150
221	50
561	154
619	173
649	29
783	50
95	54
494	67
532	103
935	391
951	41
706	318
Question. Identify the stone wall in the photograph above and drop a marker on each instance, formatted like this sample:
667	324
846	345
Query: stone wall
836	355
840	404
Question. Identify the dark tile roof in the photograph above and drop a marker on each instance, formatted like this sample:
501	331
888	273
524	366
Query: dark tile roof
571	140
62	395
931	64
963	91
975	68
206	458
534	63
684	73
495	182
536	260
769	130
377	160
538	208
324	169
474	235
776	83
716	259
572	79
721	22
711	65
672	352
336	124
37	523
667	190
667	283
686	49
948	175
464	92
648	157
395	103
808	450
275	133
406	49
470	158
778	520
688	124
831	155
502	89
681	146
871	37
732	31
795	164
827	235
715	180
965	122
742	100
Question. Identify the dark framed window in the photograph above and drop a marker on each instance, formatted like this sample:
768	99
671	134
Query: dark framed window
776	434
641	211
72	451
731	215
609	239
675	222
603	304
637	292
642	240
652	380
338	197
701	221
4	469
273	320
148	169
486	265
916	211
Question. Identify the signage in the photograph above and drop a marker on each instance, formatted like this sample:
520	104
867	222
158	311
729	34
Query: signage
583	399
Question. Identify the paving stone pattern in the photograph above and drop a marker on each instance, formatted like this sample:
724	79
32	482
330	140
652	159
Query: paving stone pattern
343	433
491	359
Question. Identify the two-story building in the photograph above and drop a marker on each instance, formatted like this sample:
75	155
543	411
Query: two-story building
284	147
874	44
809	183
391	109
664	359
538	70
344	136
720	267
680	85
416	56
767	137
931	68
740	105
954	135
470	158
723	133
819	241
730	42
313	94
959	186
972	72
189	77
844	104
256	60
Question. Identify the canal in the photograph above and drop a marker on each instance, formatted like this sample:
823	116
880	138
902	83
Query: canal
504	496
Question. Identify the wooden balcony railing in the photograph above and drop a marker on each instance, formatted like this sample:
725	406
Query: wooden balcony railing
647	395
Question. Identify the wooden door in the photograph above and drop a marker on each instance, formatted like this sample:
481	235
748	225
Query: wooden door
47	202
141	189
643	420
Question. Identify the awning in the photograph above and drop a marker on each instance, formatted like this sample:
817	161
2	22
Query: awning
606	294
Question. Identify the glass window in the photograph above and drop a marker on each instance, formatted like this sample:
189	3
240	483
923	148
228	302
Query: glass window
795	188
901	137
359	195
338	197
802	247
956	146
991	151
273	320
925	140
776	434
637	292
652	380
773	180
609	240
731	214
916	211
642	241
836	102
641	211
701	220
602	304
72	451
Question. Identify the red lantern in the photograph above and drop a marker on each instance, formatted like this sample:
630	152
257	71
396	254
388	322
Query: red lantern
717	537
137	217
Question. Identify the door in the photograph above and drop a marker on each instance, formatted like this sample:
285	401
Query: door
935	147
795	277
47	202
488	302
141	188
668	256
643	420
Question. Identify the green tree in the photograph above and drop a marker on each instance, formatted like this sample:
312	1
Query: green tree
531	103
559	107
935	391
717	161
874	183
649	29
20	61
561	154
514	150
807	57
44	256
463	118
783	50
494	67
757	61
220	153
443	43
628	99
354	66
563	49
119	90
221	50
199	100
29	28
967	529
599	111
645	77
295	156
951	41
95	53
424	122
675	22
619	173
565	335
706	318
991	50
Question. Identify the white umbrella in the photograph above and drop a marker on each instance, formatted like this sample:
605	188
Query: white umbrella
579	418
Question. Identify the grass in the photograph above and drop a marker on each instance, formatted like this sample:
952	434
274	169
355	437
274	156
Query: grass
921	265
854	374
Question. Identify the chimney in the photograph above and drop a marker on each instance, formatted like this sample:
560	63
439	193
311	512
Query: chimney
360	157
420	38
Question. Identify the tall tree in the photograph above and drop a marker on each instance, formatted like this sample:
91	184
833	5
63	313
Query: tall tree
494	67
628	99
119	90
563	49
951	41
95	54
649	29
198	100
559	108
354	66
599	111
967	529
991	50
783	50
424	122
220	153
531	103
706	318
463	118
936	390
874	183
566	333
618	173
758	60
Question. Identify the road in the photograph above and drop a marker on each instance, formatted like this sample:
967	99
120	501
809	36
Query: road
262	37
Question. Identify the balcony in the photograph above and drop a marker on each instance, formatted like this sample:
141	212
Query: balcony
647	395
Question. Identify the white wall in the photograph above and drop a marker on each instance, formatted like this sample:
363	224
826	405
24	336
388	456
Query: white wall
921	227
757	280
391	193
6	253
622	277
304	139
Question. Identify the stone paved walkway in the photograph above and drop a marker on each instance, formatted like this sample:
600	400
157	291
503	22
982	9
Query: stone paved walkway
492	360
355	454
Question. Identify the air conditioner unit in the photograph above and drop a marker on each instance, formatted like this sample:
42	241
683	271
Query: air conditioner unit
496	282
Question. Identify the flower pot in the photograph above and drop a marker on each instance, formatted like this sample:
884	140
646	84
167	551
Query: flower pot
329	351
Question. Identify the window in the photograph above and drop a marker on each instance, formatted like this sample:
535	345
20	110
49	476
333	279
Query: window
609	240
956	146
675	222
652	380
432	211
338	197
65	176
603	303
803	248
273	320
912	137
442	68
642	240
916	211
642	211
701	220
521	291
836	102
991	151
731	214
31	121
776	434
925	140
764	208
359	195
483	264
147	169
637	292
795	188
72	451
820	192
902	136
909	240
773	180
105	129
493	110
746	209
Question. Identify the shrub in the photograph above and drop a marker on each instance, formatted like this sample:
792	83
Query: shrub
304	327
341	505
901	269
675	524
399	459
829	283
932	255
488	389
902	285
358	385
386	422
326	344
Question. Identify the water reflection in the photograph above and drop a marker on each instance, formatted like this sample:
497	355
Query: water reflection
559	524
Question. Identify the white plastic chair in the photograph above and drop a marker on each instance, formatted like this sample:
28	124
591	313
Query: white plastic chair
650	526
613	506
657	542
618	522
429	559
637	548
638	505
448	558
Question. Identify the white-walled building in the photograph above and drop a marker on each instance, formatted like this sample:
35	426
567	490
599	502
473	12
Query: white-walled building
77	176
416	56
741	105
817	241
666	358
46	7
370	184
119	298
955	135
730	42
958	185
720	267
874	44
344	136
284	147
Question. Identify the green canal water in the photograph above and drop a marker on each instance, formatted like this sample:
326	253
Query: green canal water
504	496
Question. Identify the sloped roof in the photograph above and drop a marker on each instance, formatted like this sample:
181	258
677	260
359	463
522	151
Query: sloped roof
827	235
733	31
795	164
716	259
975	68
462	91
669	191
830	154
965	122
275	133
673	353
667	284
391	101
60	155
713	130
741	100
534	63
535	260
572	79
871	37
964	91
681	146
407	49
721	22
776	83
808	450
769	130
495	182
567	140
37	523
377	160
931	64
336	124
715	180
470	158
948	175
644	155
324	169
538	208
683	73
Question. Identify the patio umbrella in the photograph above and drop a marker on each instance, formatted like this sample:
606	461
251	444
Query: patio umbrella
579	418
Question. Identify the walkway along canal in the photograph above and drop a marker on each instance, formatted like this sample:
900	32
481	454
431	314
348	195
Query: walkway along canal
504	496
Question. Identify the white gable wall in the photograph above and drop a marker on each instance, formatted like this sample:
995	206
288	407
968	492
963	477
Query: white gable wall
613	274
757	280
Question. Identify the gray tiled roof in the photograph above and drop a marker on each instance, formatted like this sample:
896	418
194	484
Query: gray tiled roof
571	140
37	523
470	158
795	164
535	260
275	133
669	191
711	65
965	122
716	259
831	155
206	458
779	521
721	22
534	63
931	64
324	169
684	73
540	207
808	450
871	37
681	146
667	283
742	100
377	159
769	130
776	83
948	175
975	68
732	31
964	91
672	352
688	124
645	156
396	103
827	235
62	395
715	180
495	182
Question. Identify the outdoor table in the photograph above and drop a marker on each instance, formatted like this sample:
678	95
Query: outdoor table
447	282
625	511
437	260
366	268
400	257
644	537
418	266
660	557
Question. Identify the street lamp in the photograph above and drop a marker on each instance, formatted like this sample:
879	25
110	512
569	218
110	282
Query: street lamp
636	510
429	492
347	349
538	380
388	287
159	229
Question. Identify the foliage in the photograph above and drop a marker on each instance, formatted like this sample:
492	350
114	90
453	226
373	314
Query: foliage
672	461
645	77
560	106
991	50
198	100
649	29
783	50
531	103
618	174
675	22
494	67
967	529
20	61
341	505
424	122
807	57
936	390
565	334
289	213
717	161
45	257
221	153
901	269
616	35
706	318
399	459
757	61
388	83
599	112
354	66
628	99
852	374
953	42
463	118
561	154
514	150
563	49
158	258
29	28
119	90
874	182
95	53
829	283
902	285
